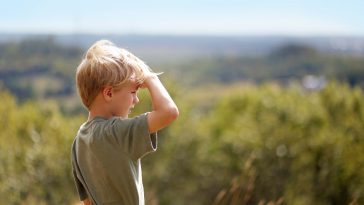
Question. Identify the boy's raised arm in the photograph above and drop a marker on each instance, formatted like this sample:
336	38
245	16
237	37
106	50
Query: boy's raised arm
164	109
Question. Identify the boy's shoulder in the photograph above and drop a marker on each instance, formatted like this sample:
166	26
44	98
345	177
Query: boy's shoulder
129	136
102	126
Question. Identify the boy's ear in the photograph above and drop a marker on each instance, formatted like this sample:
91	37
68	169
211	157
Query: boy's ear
107	93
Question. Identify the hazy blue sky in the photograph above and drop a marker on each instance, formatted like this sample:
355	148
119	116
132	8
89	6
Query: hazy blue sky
212	17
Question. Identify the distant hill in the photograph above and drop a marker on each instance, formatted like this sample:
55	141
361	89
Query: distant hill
287	63
43	66
164	48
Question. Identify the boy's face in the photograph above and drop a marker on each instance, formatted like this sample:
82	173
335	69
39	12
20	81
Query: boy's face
124	99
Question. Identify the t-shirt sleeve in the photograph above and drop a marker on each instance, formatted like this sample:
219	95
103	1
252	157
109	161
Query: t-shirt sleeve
132	134
80	188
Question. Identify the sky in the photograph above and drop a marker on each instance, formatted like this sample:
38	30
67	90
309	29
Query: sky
185	17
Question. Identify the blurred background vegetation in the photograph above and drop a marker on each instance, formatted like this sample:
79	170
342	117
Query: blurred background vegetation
283	126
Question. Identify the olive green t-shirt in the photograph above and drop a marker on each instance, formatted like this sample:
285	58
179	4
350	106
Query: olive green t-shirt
106	157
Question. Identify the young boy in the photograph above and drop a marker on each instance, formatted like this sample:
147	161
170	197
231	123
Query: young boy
108	147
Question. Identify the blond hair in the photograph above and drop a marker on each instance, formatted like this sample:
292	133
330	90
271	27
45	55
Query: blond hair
105	64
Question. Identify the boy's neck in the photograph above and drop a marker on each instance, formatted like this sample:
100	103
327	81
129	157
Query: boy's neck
99	111
92	116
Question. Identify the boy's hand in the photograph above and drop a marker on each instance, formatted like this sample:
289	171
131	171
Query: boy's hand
147	81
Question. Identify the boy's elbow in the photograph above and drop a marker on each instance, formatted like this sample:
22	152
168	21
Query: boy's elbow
173	113
159	119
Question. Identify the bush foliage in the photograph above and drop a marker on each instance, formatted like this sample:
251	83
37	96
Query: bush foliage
35	142
250	145
239	144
